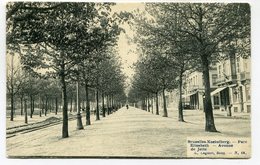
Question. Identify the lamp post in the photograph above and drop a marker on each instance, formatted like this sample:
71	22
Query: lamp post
204	101
79	120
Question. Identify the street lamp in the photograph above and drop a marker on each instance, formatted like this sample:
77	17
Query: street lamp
203	101
79	120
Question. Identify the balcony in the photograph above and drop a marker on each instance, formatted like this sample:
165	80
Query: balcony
245	76
226	79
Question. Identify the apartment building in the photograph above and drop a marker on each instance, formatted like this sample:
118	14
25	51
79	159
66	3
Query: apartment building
193	88
233	80
229	82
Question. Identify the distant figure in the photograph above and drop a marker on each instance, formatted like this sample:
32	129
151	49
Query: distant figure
127	106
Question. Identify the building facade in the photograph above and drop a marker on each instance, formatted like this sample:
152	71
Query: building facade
229	83
193	88
234	84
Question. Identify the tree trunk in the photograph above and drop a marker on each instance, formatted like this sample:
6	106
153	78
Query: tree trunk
39	103
210	125
42	105
108	105
157	104
39	106
97	109
103	105
152	104
46	106
21	105
12	106
56	106
12	89
165	113
148	103
180	107
25	112
65	131
31	102
49	104
145	104
112	102
87	105
52	104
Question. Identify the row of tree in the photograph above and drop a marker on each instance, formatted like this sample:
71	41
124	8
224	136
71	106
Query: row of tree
21	85
44	94
68	42
175	37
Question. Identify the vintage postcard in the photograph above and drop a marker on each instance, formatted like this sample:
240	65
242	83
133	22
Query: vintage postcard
128	80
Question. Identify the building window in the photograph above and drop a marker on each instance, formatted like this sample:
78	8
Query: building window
214	79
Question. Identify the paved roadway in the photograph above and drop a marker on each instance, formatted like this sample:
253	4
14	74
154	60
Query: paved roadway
125	133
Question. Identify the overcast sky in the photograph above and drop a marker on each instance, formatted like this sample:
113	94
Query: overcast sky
126	49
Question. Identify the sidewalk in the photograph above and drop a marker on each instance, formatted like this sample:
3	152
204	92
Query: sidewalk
132	132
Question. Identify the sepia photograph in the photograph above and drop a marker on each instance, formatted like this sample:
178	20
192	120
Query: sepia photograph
142	80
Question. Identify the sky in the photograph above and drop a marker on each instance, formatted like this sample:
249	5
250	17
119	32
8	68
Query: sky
126	49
